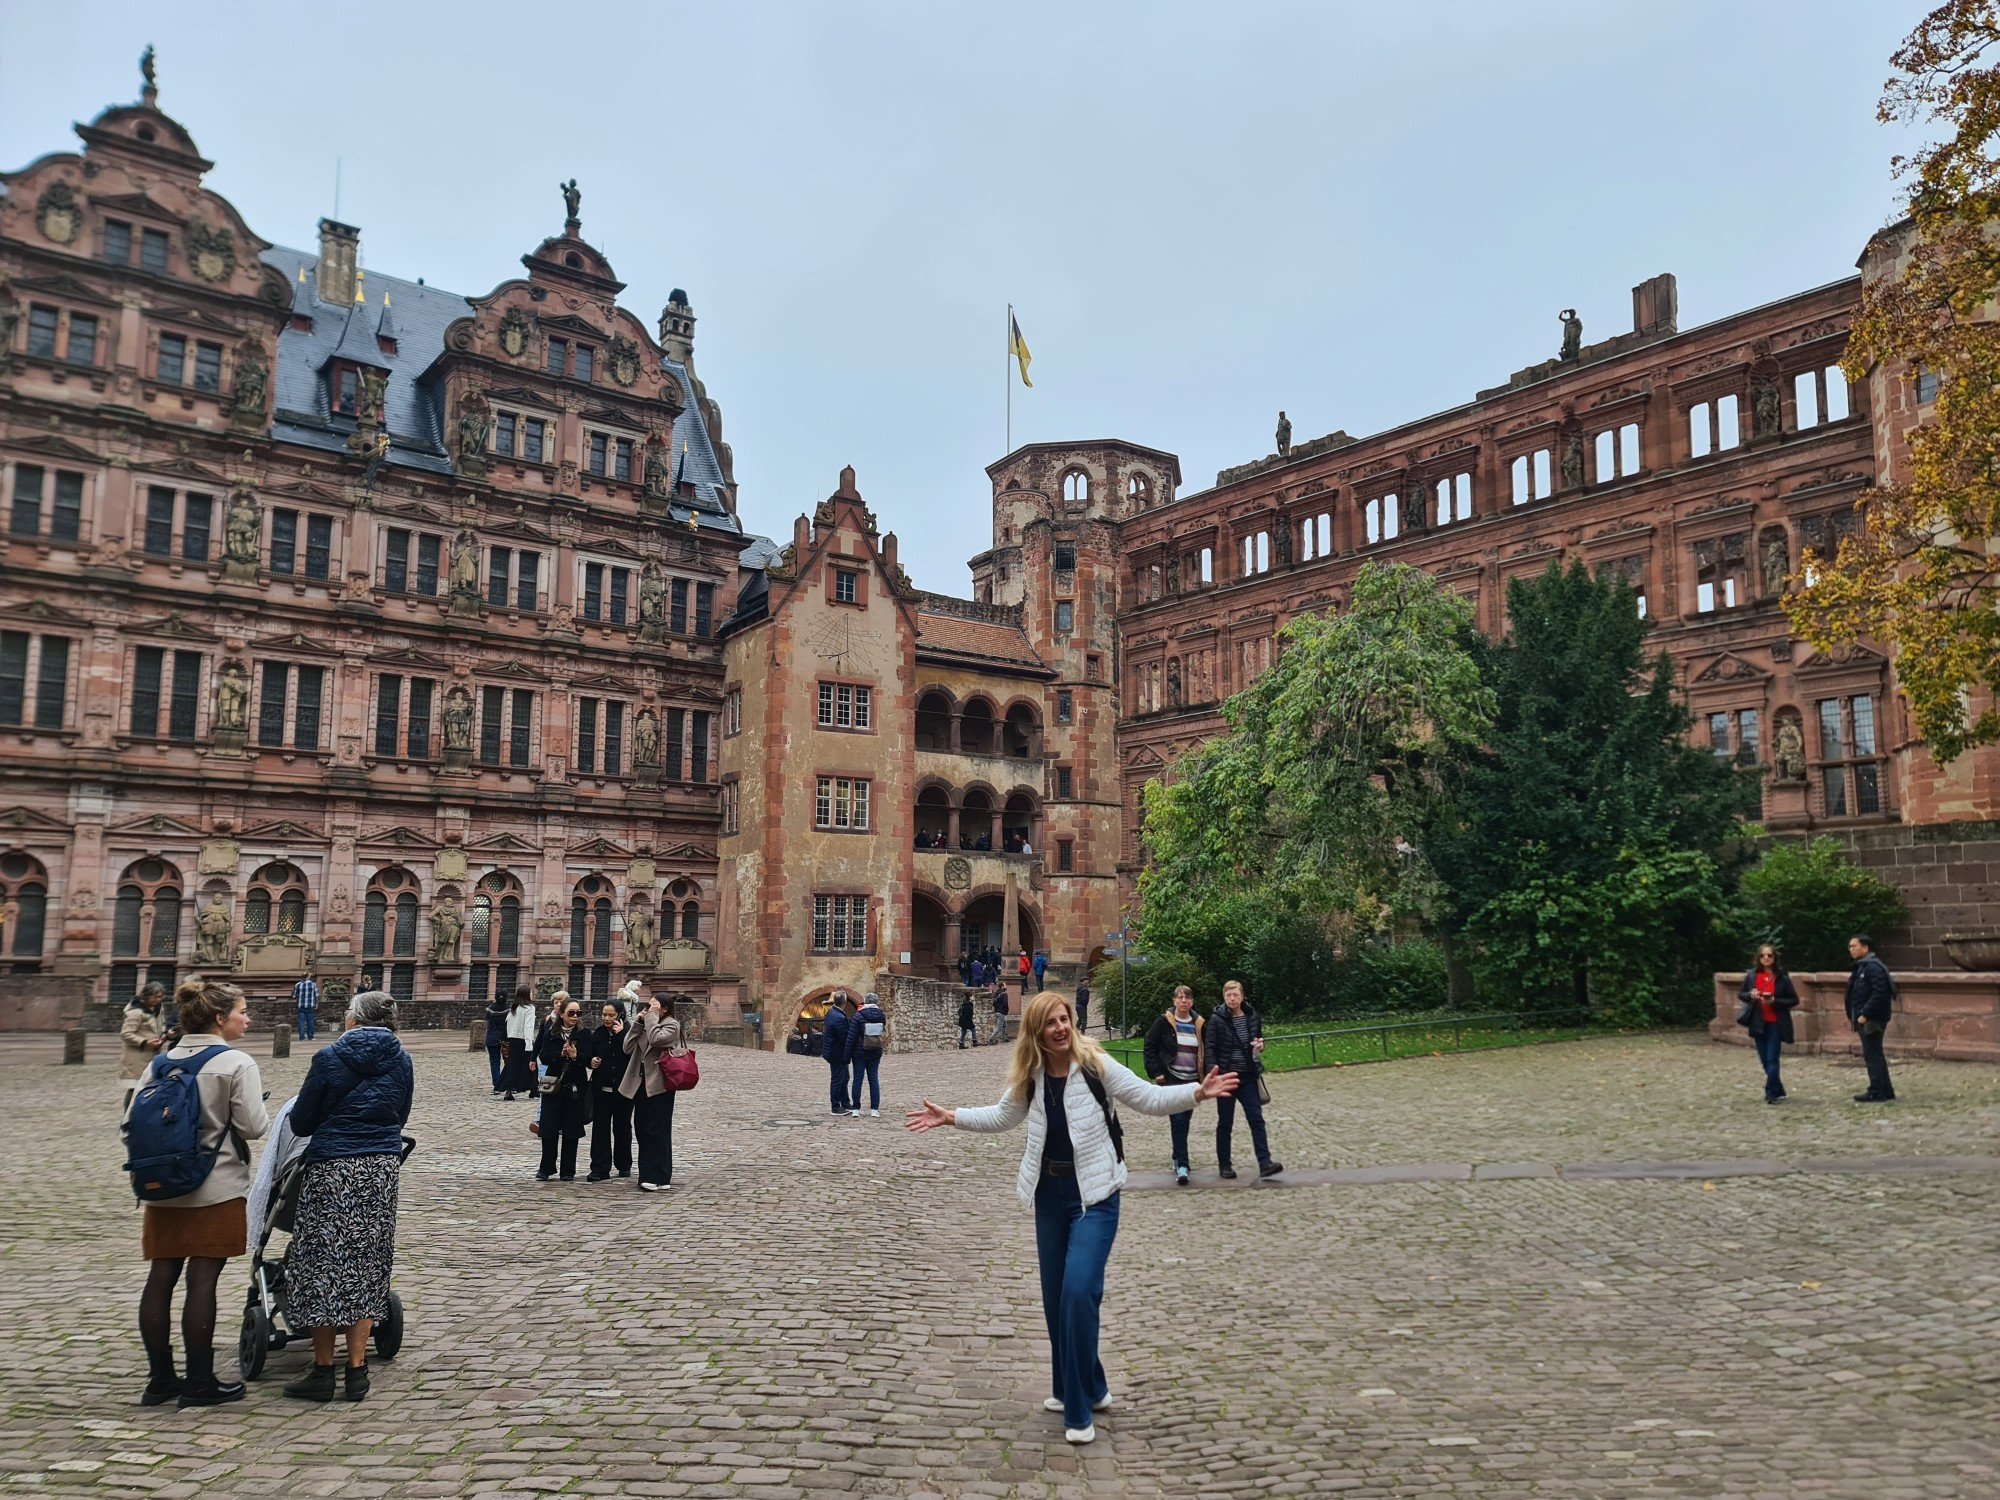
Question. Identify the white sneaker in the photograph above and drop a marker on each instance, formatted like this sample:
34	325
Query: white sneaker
1081	1434
874	1114
649	1187
854	1114
1054	1403
1051	1403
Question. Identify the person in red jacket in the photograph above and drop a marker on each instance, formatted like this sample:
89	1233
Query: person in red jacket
1767	996
1027	972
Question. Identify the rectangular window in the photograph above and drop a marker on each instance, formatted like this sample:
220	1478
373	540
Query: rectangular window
585	362
730	816
66	523
840	924
503	434
1728	427
531	439
621	464
42	332
704	609
1530	474
593	591
420	718
677	607
1063	782
428	549
1065	860
518	730
306	711
698	723
52	682
1093	667
82	339
1713	427
159	541
676	730
13	676
600	452
492	709
271	704
197	511
844	706
319	548
1065	707
528	581
1927	386
557	361
846	586
171	367
396	561
153	251
840	803
614	737
1065	616
732	713
26	517
1805	399
388	715
347	392
117	242
586	736
1718	735
499	568
208	367
148	665
284	541
181	711
1453	496
1746	736
621	583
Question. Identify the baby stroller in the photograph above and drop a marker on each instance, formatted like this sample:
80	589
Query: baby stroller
264	1326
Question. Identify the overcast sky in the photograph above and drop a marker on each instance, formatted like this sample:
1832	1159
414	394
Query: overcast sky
1201	212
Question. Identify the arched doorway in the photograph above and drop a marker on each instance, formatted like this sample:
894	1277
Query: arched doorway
927	937
982	927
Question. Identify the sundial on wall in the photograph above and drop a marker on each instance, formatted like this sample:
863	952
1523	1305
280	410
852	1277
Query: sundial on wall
834	640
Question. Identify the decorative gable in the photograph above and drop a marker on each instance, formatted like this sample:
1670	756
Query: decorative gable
399	836
1729	667
51	446
282	830
20	820
186	468
158	823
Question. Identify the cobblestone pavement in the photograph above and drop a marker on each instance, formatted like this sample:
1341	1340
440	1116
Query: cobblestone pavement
836	1307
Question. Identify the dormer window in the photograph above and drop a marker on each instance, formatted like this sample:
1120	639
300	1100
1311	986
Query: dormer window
347	391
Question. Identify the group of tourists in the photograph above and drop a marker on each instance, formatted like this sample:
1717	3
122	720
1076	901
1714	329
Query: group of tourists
1181	1047
855	1037
607	1077
982	969
1767	997
197	1103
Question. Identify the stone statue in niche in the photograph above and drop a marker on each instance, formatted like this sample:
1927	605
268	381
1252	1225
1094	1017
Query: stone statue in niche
1173	573
652	603
1173	682
472	429
246	395
232	696
1572	345
656	471
374	387
242	532
446	924
465	565
1281	544
1788	749
1767	409
1572	461
211	930
646	738
458	720
1284	435
641	936
1777	563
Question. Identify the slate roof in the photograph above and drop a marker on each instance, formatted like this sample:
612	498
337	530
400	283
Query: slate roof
980	640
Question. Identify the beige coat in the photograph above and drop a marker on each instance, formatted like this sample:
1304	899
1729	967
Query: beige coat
232	1096
646	1042
141	1030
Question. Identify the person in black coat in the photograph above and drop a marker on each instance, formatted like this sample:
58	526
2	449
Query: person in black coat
968	1030
496	1038
562	1053
834	1049
1768	996
1174	1056
610	1111
1871	998
1235	1041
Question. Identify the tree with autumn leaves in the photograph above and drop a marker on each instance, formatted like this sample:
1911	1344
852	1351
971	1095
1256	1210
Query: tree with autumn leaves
1922	574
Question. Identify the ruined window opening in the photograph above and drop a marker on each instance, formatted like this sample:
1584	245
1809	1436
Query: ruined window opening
1530	474
1076	487
1454	499
1208	565
1617	453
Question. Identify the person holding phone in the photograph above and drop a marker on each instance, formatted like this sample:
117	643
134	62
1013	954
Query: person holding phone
1235	1040
610	1111
566	1080
653	1035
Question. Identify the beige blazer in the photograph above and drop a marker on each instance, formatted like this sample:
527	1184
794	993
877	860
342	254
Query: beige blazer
141	1029
232	1096
646	1042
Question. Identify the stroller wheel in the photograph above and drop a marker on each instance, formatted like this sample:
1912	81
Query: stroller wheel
389	1329
254	1343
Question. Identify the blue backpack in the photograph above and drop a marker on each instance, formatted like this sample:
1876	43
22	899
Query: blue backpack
163	1150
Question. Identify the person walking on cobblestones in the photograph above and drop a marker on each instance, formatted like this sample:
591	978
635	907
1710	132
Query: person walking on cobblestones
519	1077
867	1035
564	1106
352	1108
1070	1175
496	1038
653	1035
202	1230
305	1007
1174	1056
610	1111
968	1031
1767	998
833	1040
1235	1039
999	1011
140	1032
1871	999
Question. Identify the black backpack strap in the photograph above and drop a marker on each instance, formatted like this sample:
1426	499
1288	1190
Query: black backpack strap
1096	1087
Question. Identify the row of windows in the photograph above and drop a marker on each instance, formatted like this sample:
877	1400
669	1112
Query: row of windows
177	359
1850	773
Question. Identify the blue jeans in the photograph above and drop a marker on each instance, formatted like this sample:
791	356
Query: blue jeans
1768	1048
493	1062
868	1065
838	1067
1253	1112
1073	1246
306	1013
1179	1125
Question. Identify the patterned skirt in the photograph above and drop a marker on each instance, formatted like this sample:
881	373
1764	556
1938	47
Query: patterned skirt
344	1248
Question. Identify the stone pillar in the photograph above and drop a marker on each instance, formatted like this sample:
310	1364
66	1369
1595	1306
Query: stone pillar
281	1039
76	1038
1010	917
957	732
951	827
954	939
999	838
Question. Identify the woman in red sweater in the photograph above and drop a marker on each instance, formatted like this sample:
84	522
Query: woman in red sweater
1768	998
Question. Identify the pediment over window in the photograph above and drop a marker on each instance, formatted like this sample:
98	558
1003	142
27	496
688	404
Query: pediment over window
155	823
513	669
51	446
312	494
565	323
1841	659
408	658
196	317
399	836
599	848
603	682
502	843
410	510
44	613
298	643
183	468
1729	667
66	286
134	203
687	853
19	820
282	830
176	625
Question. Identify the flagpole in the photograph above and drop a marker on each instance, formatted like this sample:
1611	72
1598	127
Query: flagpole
1005	365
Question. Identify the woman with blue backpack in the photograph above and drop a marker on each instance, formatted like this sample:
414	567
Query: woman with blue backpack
186	1134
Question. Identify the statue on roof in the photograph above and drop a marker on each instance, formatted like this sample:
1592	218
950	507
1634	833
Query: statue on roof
1572	334
1284	435
572	200
146	72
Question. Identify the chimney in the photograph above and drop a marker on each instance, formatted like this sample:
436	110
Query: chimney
1656	307
677	328
801	540
889	553
339	253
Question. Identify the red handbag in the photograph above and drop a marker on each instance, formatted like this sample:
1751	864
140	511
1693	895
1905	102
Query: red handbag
680	1070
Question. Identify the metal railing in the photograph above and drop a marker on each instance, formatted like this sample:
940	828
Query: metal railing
1517	1022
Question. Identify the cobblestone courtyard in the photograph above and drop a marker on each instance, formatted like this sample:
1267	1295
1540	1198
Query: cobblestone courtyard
825	1307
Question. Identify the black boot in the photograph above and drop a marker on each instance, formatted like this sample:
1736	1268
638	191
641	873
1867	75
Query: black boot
165	1385
201	1388
315	1385
357	1382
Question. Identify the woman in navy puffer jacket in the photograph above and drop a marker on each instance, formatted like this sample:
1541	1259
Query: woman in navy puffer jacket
353	1107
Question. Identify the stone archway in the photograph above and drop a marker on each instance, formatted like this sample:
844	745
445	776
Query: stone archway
929	946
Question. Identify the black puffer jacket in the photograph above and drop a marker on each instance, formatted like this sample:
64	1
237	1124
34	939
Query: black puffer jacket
1228	1040
357	1096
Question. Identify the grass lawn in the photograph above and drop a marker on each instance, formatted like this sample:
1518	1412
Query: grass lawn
1286	1048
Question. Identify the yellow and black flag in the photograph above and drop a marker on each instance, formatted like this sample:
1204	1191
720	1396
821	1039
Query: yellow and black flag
1018	347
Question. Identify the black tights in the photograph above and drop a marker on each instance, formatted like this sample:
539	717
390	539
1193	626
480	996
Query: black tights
197	1309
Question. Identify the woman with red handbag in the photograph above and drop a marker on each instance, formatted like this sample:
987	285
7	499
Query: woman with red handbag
653	1035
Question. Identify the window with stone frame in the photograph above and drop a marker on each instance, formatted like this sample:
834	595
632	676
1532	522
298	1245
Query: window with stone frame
34	680
1315	537
145	928
493	927
171	514
514	579
732	806
24	902
166	684
1734	734
506	721
845	705
300	545
1530	475
44	322
403	707
840	804
1820	396
839	923
411	562
1452	496
1714	426
117	243
591	923
1822	534
1075	487
600	737
1850	767
732	713
1630	571
389	934
56	494
1616	453
1065	856
1722	573
1382	517
1138	492
276	902
292	705
606	596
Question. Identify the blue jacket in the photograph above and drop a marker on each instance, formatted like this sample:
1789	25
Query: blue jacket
857	1030
837	1027
357	1096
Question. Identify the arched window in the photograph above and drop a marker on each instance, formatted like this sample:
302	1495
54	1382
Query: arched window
1076	487
145	924
494	921
24	908
1023	732
687	895
934	721
1138	492
590	940
691	920
975	728
277	901
389	933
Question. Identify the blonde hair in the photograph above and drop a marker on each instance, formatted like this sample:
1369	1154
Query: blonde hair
1030	1059
558	999
205	1004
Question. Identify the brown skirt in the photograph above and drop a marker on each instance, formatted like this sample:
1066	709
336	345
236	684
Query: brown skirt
216	1232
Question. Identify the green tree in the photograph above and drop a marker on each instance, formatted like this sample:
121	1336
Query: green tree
1808	899
1585	863
1332	758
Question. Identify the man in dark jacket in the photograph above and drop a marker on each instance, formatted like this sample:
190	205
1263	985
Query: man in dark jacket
834	1049
1235	1043
1870	998
1083	1006
967	1030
